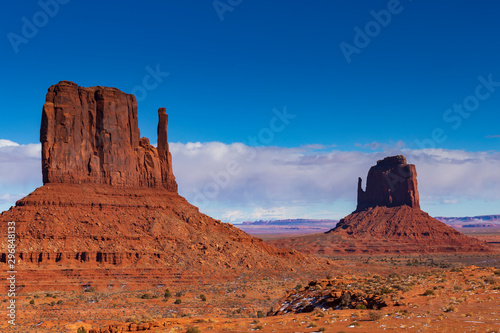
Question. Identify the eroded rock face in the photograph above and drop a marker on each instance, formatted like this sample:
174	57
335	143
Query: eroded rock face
390	183
91	135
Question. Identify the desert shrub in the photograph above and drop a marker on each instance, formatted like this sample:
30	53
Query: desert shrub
319	313
53	303
260	314
59	302
403	312
167	294
193	330
360	307
385	290
81	330
405	288
89	289
32	302
298	287
146	296
345	300
180	294
49	295
375	315
203	298
491	280
429	292
457	288
449	308
178	301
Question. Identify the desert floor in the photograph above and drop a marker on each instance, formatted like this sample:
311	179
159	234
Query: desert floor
427	293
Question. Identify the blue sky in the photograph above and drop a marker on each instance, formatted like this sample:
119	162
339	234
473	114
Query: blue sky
231	63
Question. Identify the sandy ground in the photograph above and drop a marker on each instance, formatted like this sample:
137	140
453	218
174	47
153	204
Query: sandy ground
439	293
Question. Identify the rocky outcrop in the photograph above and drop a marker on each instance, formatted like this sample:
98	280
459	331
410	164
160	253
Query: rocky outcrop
332	294
390	183
91	135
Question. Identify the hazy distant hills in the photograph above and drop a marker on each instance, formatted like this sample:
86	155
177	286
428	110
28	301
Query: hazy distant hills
291	226
309	226
471	221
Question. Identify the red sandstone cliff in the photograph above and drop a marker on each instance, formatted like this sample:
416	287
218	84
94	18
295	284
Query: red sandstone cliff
91	135
390	183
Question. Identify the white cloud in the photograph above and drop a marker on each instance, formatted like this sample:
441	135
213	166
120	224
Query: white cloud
270	177
236	182
20	165
20	171
382	145
7	143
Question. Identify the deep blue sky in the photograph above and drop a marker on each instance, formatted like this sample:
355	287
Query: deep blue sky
227	75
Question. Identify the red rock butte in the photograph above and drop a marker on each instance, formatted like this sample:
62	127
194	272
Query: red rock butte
388	219
390	183
110	199
91	135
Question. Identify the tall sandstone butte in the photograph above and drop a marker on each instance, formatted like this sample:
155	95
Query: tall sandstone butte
91	135
110	198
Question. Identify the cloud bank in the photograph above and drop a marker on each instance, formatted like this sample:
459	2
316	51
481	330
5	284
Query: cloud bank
271	182
20	171
236	182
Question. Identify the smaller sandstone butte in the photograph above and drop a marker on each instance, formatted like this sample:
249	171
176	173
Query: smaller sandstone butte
91	135
390	183
388	219
390	210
